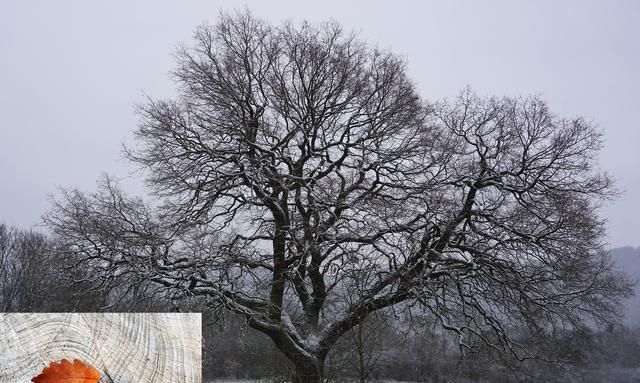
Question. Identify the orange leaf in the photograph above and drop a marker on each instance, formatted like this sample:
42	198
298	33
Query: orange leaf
67	372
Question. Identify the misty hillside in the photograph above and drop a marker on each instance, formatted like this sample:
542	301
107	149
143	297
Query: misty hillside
628	259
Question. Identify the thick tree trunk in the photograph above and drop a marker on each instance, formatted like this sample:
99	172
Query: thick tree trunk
309	365
308	371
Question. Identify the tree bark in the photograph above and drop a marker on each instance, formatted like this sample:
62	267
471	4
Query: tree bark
308	371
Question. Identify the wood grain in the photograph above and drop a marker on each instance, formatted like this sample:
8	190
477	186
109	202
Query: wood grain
132	348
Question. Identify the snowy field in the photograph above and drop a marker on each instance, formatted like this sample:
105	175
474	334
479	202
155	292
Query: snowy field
272	381
608	375
277	381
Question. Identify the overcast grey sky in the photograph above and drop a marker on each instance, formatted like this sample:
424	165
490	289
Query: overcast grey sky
71	72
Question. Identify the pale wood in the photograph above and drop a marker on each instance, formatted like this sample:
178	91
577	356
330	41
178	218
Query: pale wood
132	348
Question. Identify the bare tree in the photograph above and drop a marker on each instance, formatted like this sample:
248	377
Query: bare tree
31	277
9	268
365	345
26	260
296	157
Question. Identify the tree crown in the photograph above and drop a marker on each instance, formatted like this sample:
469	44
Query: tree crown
306	184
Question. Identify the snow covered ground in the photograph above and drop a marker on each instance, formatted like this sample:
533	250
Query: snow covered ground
609	375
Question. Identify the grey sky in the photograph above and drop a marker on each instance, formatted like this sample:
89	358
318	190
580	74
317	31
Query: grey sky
71	72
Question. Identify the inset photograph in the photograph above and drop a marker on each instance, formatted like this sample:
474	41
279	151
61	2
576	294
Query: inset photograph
100	347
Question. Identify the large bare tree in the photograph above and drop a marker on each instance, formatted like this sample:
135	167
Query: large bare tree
303	183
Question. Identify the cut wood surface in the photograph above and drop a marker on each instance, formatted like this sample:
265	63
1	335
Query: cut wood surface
131	348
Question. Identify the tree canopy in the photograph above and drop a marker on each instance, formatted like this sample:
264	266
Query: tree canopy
303	182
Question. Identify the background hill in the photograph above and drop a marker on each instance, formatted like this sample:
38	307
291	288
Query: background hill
628	260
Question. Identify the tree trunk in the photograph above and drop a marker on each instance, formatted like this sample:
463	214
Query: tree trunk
309	365
308	371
